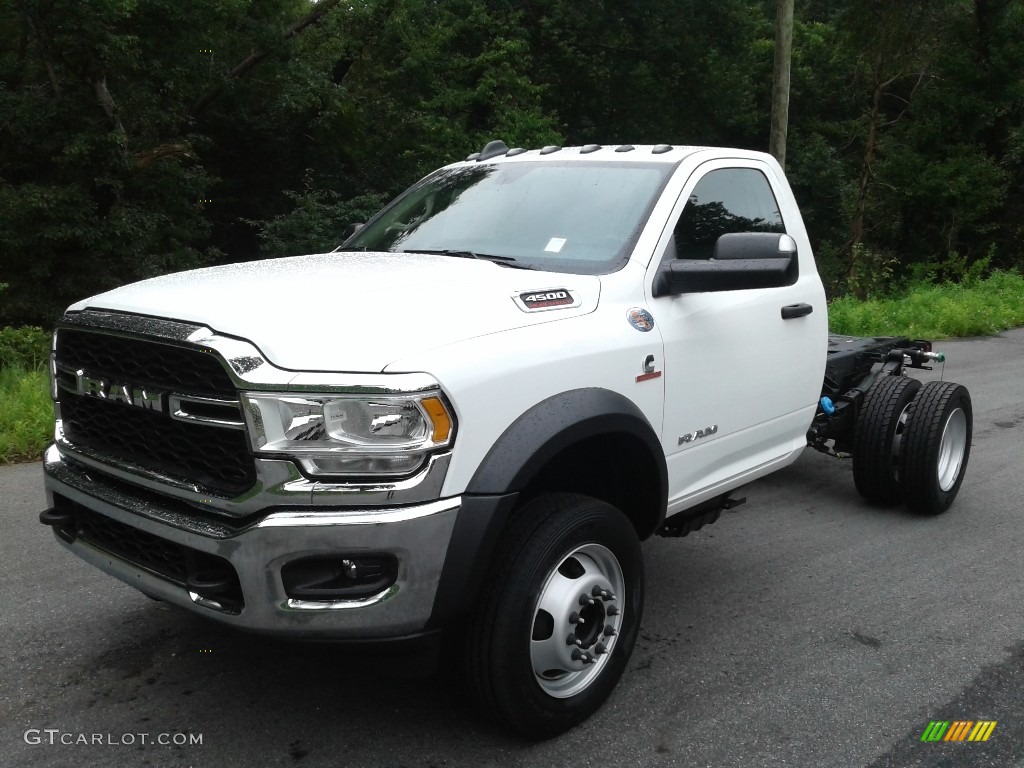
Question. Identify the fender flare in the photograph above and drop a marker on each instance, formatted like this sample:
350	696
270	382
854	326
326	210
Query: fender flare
517	456
554	424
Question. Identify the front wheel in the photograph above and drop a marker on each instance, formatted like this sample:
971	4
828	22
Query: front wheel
558	615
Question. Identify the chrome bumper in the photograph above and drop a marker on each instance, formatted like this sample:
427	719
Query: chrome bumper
417	536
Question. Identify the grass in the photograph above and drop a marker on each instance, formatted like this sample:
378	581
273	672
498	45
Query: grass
26	414
928	311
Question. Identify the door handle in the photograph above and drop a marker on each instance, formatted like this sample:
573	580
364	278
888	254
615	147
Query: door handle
796	310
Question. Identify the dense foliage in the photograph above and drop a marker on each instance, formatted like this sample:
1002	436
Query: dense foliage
142	136
930	311
26	414
27	348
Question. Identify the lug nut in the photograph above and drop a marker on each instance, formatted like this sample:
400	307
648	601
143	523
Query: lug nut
575	618
599	649
577	655
587	600
609	631
612	611
571	639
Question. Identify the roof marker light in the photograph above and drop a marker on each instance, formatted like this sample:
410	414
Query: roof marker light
493	149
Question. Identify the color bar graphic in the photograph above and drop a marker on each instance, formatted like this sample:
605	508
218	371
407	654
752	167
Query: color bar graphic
958	730
982	730
935	731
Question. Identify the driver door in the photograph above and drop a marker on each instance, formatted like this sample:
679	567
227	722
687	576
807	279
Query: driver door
741	381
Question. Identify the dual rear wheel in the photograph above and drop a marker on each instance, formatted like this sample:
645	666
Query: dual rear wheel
912	443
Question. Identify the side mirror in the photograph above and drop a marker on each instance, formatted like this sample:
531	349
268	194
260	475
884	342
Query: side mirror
741	261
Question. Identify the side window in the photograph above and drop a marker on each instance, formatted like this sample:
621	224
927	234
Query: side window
725	201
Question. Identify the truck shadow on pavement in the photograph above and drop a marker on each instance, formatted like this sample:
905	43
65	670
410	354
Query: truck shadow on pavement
194	676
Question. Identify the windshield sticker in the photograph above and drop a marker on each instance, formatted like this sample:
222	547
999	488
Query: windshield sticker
640	319
549	298
555	245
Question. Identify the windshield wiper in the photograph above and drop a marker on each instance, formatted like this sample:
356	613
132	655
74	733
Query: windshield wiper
503	261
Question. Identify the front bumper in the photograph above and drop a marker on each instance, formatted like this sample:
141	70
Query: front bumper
145	522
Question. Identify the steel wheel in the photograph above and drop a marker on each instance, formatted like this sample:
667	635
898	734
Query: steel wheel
936	447
577	620
952	449
558	615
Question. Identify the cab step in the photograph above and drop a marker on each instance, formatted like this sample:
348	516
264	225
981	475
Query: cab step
695	518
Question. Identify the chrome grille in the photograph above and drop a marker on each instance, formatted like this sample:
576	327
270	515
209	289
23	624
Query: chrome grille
214	458
146	363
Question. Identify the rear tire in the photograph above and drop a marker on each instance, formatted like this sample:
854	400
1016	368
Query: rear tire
878	438
558	615
936	447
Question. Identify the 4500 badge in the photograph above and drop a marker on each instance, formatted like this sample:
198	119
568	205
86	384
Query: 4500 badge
549	298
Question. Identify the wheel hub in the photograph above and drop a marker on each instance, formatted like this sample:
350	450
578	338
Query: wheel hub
952	448
577	620
589	623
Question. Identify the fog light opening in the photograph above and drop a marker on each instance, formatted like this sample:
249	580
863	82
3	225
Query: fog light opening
338	577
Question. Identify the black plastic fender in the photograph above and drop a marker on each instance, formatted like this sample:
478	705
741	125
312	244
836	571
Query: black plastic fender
522	451
553	425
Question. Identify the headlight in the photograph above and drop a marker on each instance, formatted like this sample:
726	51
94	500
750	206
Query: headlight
349	434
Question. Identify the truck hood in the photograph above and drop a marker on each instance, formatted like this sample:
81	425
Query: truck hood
353	312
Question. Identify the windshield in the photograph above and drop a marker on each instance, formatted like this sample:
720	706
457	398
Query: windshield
564	217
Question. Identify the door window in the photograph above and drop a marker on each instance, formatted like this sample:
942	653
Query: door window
726	201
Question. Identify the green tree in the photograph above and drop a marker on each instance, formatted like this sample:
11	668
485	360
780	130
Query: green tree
96	187
143	137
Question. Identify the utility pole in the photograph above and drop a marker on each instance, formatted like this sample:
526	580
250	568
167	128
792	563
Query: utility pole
780	81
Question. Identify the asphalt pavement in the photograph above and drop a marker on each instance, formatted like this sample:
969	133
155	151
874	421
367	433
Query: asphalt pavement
805	628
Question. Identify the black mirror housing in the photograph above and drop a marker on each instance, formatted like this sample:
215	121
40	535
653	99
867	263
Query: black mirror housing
741	261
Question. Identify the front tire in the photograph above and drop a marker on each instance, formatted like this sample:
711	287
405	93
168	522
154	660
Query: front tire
558	615
936	446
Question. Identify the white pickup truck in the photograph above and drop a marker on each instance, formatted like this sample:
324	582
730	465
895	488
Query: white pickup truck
470	415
